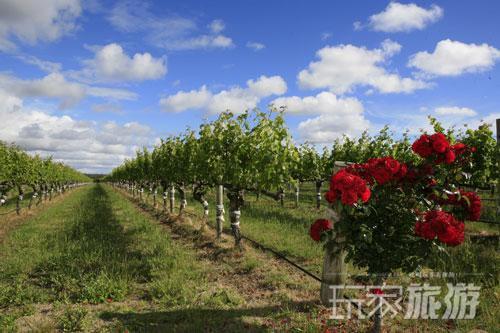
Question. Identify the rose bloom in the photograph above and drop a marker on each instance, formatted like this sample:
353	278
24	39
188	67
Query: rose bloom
439	142
318	227
422	146
330	196
443	225
449	156
349	198
392	165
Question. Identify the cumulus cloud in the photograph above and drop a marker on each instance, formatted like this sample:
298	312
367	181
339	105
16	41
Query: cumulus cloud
334	116
111	63
256	46
52	86
455	111
30	21
236	99
169	32
88	146
398	17
56	86
343	67
452	58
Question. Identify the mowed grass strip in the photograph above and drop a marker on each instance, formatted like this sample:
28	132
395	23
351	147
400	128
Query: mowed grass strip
93	247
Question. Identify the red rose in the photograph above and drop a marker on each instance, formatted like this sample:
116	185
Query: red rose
392	165
403	170
422	146
318	227
449	156
443	225
331	196
459	148
382	176
348	186
349	198
440	146
365	196
474	206
424	230
439	143
453	234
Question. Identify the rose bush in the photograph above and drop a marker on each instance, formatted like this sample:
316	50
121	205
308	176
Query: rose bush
391	212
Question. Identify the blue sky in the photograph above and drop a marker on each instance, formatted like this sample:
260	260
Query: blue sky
88	82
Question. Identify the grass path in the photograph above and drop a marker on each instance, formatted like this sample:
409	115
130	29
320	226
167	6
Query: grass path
93	262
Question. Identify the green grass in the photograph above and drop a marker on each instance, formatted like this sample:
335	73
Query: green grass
92	248
94	262
286	229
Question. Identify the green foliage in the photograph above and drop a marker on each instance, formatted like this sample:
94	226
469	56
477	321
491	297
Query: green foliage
17	168
367	146
251	151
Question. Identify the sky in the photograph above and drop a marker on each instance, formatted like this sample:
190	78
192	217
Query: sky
89	82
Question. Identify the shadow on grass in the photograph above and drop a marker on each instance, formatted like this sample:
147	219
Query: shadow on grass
93	259
198	320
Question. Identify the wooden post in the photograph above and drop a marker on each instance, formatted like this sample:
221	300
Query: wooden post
334	267
498	132
318	193
18	203
154	197
219	222
297	194
165	196
172	199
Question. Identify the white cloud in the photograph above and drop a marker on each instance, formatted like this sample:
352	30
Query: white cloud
334	116
30	21
111	93
107	108
187	100
111	63
56	86
198	42
341	68
455	111
451	58
217	26
52	86
326	35
236	99
169	32
44	65
88	146
256	46
267	86
357	26
328	127
399	17
323	103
